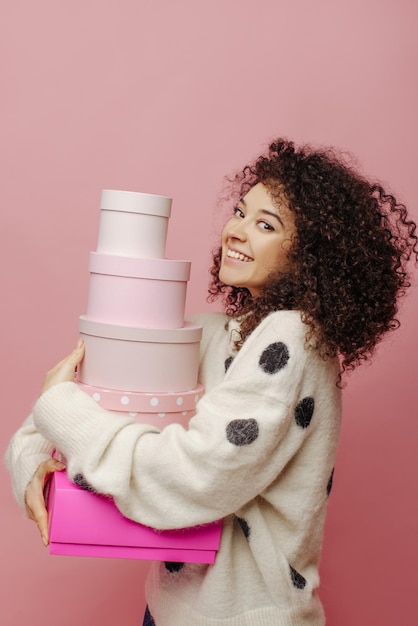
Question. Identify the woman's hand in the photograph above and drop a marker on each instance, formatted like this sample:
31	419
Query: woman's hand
34	496
65	369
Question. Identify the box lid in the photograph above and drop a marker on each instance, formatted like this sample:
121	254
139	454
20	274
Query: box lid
189	333
150	268
82	517
135	202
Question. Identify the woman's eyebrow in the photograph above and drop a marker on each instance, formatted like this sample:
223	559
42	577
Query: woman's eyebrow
273	214
265	211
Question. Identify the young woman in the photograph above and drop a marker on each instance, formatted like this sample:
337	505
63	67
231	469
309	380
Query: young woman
311	265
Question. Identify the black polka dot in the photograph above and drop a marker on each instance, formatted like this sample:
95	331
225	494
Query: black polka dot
148	619
329	485
244	526
274	358
297	579
242	432
82	482
173	567
304	411
228	362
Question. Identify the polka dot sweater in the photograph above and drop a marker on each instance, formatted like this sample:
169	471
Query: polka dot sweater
259	453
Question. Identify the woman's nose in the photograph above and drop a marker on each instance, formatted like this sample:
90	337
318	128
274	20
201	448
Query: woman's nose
237	230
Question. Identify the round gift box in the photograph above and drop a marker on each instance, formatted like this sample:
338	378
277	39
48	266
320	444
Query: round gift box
150	293
139	359
133	224
157	409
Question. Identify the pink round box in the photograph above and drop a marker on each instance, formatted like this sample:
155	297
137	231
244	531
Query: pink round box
139	359
150	293
157	409
133	224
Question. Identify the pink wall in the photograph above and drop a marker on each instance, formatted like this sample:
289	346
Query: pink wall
167	97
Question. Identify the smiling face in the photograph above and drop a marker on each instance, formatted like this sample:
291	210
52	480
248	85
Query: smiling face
256	240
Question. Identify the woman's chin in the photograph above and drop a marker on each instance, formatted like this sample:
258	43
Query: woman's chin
227	279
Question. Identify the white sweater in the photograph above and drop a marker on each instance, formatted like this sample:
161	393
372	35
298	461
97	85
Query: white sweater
259	453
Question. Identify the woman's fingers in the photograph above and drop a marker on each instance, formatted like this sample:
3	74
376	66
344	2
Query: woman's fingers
34	496
65	369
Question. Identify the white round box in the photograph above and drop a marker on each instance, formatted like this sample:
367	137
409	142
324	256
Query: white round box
150	293
133	224
139	359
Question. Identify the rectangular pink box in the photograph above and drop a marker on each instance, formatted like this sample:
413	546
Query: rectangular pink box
86	524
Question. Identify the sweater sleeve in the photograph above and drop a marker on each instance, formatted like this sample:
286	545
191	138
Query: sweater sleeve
245	431
26	450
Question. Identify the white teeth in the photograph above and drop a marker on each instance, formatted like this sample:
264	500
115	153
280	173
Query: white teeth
237	255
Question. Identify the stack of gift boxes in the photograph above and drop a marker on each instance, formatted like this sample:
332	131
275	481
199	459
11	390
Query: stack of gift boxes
141	359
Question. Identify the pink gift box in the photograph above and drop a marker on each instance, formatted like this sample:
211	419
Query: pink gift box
149	293
157	409
82	523
139	359
133	224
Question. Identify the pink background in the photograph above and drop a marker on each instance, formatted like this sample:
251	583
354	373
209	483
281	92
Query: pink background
166	97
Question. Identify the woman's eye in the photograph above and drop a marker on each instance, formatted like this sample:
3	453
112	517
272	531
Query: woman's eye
265	225
238	212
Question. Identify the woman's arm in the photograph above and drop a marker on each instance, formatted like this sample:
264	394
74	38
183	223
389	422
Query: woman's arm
29	461
245	431
29	455
27	449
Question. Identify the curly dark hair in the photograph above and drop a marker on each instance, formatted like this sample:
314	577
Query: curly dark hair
349	257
